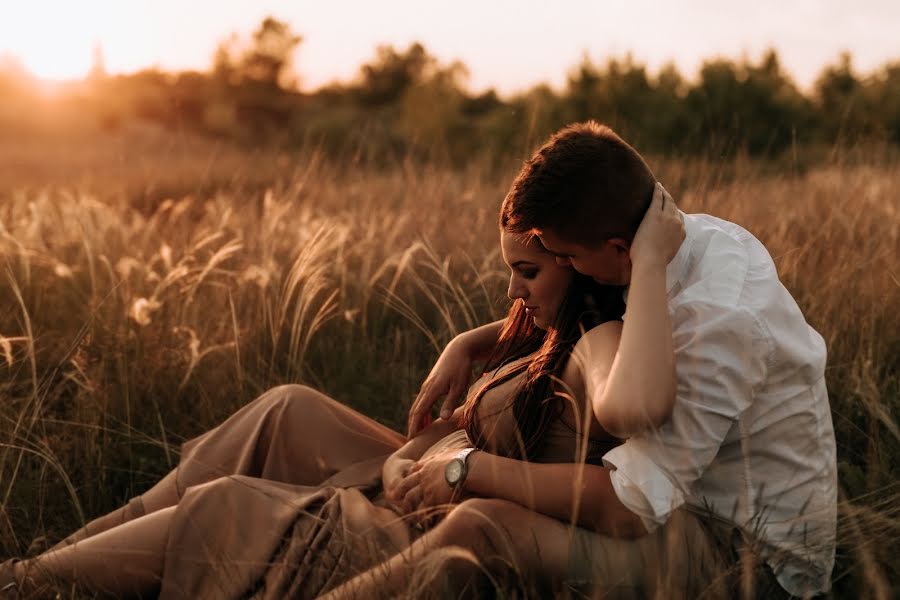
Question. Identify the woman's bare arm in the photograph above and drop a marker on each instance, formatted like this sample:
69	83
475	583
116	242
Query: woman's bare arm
480	342
451	374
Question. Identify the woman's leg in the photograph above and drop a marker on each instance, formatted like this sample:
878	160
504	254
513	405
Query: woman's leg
125	560
290	433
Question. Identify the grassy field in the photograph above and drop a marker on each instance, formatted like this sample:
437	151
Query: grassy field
148	289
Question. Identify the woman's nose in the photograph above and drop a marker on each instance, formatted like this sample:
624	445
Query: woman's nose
516	291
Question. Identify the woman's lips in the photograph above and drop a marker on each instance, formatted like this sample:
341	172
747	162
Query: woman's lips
530	311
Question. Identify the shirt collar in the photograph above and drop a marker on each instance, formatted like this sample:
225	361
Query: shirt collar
676	267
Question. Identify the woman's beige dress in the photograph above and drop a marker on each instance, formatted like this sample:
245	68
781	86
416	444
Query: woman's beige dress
313	514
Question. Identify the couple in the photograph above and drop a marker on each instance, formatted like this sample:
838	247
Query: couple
681	449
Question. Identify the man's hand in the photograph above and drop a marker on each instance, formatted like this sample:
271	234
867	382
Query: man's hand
425	490
449	377
393	474
660	233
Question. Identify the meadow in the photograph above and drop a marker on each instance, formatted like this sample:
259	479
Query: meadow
151	285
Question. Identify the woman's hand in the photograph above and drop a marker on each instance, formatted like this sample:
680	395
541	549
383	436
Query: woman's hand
660	233
449	377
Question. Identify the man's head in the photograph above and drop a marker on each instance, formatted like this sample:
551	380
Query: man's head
583	193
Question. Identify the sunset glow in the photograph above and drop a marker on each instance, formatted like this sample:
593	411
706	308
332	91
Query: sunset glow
507	44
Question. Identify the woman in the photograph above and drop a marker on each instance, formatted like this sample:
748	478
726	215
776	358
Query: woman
298	519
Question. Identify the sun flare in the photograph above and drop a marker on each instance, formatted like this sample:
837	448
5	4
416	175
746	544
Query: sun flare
57	40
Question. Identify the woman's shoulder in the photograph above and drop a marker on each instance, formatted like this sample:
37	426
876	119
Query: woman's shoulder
597	346
602	338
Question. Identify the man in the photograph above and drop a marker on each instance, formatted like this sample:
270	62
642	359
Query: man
750	441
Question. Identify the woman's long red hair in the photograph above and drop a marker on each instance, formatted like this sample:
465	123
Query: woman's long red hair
536	402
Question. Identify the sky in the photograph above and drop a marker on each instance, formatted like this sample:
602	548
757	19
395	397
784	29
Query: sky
507	44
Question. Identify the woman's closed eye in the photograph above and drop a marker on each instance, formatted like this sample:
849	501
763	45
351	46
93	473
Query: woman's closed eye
528	273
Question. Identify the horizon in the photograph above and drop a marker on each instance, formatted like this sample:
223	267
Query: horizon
334	47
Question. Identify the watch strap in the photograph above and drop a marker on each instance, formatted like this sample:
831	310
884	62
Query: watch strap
462	458
463	454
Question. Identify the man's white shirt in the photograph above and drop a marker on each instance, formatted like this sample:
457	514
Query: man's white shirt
750	438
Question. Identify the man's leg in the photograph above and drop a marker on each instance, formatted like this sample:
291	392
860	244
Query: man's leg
478	538
679	560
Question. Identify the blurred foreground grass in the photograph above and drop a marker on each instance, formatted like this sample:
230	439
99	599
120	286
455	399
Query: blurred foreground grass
143	298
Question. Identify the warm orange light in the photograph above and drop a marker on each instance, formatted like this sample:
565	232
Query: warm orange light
53	40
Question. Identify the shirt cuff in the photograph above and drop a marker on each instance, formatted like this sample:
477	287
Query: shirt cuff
641	485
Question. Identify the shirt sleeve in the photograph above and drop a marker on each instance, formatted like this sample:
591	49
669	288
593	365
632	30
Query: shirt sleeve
720	358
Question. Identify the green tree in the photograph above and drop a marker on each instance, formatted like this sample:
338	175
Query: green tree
270	57
756	108
841	99
644	109
386	79
886	95
266	60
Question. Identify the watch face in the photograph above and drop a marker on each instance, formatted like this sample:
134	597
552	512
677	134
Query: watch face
453	471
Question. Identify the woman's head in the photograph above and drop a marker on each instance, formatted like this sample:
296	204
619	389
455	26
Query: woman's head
552	307
536	282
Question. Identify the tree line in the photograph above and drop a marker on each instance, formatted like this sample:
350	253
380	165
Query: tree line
405	102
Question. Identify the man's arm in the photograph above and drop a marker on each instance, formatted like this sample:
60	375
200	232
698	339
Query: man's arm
636	391
583	494
721	359
570	492
398	463
451	374
580	493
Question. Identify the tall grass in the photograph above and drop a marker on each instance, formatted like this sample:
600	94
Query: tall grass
130	320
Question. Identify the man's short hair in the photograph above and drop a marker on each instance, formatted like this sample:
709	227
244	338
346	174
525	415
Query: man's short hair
585	183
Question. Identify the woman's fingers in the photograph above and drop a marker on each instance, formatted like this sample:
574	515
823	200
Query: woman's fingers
421	408
451	401
420	414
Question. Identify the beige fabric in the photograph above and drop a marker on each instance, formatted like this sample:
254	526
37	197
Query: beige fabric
678	560
289	464
292	434
564	440
299	509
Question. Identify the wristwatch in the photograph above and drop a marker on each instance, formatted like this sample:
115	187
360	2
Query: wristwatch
456	470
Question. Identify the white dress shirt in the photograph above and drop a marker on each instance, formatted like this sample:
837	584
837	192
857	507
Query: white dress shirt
750	437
